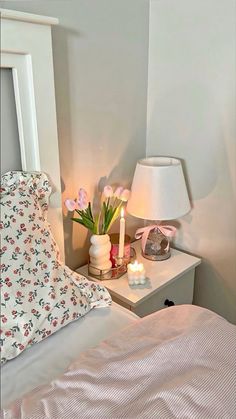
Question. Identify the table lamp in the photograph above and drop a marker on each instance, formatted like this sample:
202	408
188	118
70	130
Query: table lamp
158	193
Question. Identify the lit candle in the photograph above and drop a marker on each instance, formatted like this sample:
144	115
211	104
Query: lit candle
142	273
122	234
136	273
132	269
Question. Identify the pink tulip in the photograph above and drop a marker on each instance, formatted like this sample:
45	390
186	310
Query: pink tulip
118	191
82	204
70	204
108	191
125	195
82	199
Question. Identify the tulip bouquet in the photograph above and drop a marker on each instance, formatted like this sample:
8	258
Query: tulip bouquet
111	203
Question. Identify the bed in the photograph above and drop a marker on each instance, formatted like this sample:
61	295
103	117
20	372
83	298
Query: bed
31	64
42	363
177	363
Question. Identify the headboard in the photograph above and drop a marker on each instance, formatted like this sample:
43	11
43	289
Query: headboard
26	48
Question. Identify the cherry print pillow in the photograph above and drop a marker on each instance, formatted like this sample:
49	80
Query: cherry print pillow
39	294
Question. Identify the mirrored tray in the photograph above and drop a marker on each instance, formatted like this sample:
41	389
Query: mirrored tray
113	273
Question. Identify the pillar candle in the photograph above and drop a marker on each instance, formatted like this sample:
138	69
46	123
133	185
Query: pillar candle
136	273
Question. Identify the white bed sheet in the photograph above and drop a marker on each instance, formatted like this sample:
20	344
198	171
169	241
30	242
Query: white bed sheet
46	360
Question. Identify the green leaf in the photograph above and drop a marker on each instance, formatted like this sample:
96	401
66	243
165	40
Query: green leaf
90	210
86	223
97	222
80	212
113	218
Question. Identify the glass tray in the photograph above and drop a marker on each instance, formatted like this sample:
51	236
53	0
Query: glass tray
113	273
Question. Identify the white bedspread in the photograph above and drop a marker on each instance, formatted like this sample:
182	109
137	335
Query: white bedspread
177	363
43	362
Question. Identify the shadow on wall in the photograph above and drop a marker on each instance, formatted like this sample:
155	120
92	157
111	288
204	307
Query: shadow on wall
63	100
123	170
73	253
206	279
176	129
76	250
192	122
122	174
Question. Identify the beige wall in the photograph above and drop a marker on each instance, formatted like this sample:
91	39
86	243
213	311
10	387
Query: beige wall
191	115
100	62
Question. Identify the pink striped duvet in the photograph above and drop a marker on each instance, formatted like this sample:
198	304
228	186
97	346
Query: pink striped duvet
177	363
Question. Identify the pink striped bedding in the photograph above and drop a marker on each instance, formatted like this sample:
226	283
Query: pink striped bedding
177	363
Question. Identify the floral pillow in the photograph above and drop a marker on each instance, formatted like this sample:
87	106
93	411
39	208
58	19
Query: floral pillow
39	295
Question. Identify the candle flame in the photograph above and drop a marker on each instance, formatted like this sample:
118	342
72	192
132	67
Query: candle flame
122	212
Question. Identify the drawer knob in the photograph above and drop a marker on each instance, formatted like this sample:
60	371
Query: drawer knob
169	303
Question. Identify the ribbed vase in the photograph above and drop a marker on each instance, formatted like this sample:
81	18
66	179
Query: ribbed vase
99	253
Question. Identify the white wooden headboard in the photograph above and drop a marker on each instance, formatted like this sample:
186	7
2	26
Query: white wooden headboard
26	48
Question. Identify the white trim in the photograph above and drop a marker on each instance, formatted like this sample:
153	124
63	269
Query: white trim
21	66
26	48
27	17
18	115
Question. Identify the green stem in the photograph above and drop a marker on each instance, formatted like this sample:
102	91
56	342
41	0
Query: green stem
114	217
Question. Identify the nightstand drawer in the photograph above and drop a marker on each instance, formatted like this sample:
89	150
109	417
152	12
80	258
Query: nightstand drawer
180	292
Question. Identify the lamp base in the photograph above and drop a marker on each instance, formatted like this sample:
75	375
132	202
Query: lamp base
156	257
157	246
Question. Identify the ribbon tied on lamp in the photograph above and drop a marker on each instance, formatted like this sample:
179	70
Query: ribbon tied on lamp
166	230
158	193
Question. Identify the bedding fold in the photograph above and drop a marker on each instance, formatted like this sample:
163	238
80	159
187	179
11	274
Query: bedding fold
177	363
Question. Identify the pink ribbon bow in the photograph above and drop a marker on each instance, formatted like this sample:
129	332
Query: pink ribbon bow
167	230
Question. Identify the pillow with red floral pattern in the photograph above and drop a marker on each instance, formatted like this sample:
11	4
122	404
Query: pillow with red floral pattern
39	294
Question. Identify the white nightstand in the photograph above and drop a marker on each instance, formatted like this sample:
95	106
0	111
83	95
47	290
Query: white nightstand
171	279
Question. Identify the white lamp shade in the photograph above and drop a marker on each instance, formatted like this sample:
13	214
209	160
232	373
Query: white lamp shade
158	190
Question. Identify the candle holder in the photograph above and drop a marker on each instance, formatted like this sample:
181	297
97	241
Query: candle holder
116	272
114	237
